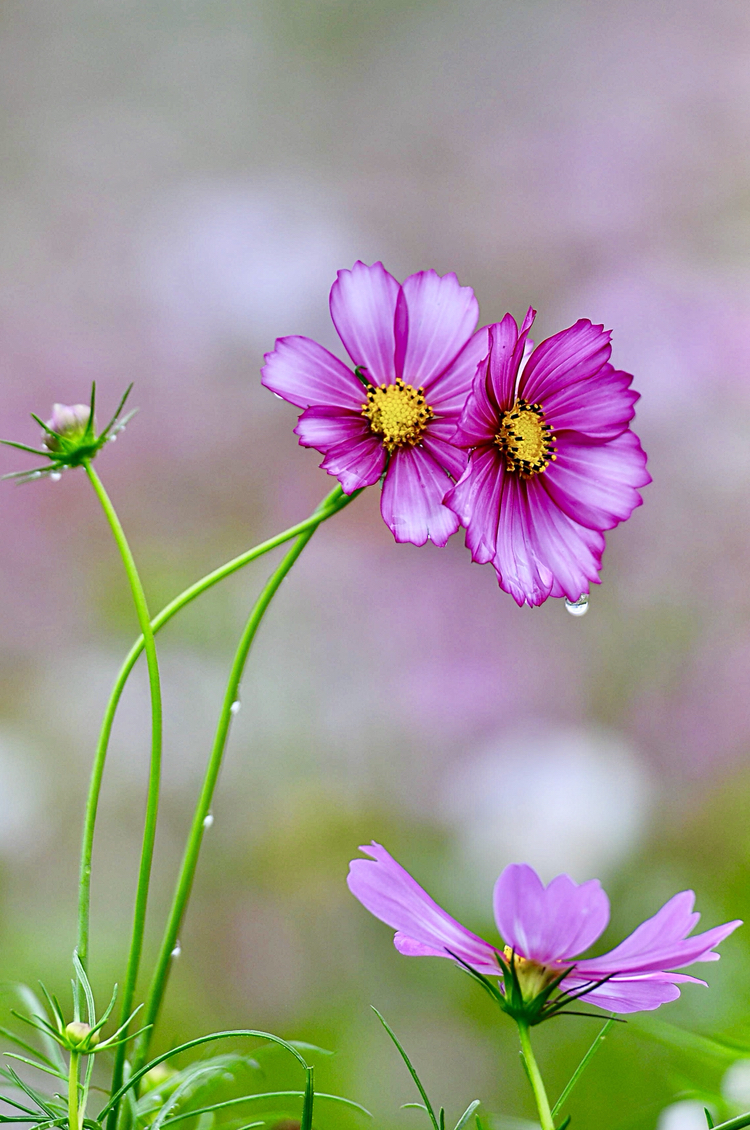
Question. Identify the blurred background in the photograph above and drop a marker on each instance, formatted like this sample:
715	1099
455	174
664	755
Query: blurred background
181	181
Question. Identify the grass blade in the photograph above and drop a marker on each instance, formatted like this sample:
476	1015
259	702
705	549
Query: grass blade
467	1114
264	1095
307	1103
411	1069
39	1066
582	1066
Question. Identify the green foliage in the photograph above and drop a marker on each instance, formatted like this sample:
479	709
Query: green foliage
438	1122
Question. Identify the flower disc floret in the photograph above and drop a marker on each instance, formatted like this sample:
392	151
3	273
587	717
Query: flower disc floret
398	413
532	977
526	439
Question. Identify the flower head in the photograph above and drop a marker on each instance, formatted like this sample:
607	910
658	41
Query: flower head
414	354
544	929
67	426
69	437
553	462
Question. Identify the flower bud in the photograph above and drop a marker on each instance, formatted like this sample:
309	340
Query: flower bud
157	1077
80	1037
69	421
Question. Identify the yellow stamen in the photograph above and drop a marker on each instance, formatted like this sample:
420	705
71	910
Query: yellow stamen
526	439
398	413
532	977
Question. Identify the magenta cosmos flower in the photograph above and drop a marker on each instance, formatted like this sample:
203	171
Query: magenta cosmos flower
553	462
415	354
544	930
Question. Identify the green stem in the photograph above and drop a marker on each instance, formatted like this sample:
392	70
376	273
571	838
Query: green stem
152	799
73	1092
195	838
335	501
535	1078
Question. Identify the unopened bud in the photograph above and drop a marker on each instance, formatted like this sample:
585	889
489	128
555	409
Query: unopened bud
80	1036
157	1077
69	421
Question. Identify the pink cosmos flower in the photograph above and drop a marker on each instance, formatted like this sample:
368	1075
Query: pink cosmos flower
544	930
553	462
415	354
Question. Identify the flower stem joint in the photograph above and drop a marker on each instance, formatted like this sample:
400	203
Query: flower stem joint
69	437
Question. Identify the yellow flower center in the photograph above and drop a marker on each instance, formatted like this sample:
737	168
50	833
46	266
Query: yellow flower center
398	413
526	439
532	977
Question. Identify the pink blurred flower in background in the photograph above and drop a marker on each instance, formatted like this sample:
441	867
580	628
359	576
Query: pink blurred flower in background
553	462
544	928
415	354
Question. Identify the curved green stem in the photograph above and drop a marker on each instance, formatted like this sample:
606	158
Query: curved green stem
535	1078
136	1077
335	501
195	838
152	799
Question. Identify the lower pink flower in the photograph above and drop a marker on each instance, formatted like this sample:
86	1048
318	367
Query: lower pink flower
544	930
553	461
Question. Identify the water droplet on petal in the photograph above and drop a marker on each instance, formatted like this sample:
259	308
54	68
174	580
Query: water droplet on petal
177	950
235	707
578	607
208	820
55	477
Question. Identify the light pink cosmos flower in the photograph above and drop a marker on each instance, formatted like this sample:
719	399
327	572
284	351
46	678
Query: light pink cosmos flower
553	462
544	930
415	354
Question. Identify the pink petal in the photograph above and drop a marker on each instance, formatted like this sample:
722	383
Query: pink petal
400	332
661	944
442	318
363	305
521	572
505	360
599	408
480	418
596	484
448	392
623	994
323	428
548	924
412	498
424	928
451	459
571	355
356	463
475	499
304	373
571	552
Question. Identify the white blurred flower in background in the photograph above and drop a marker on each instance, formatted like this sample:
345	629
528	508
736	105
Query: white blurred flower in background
685	1115
22	795
559	798
735	1086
